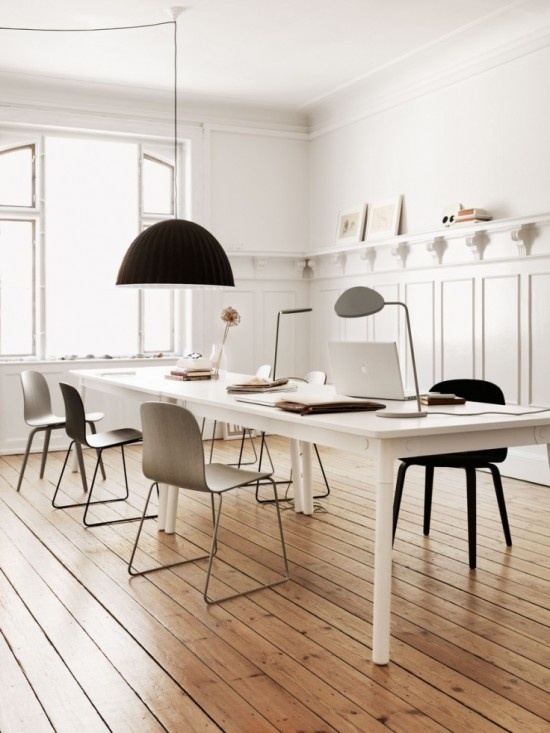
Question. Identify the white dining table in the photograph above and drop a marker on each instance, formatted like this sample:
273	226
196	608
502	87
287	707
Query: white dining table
464	427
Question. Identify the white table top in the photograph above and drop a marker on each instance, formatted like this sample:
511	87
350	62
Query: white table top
414	435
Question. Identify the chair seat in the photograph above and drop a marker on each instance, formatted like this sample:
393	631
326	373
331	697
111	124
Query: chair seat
56	421
475	459
221	477
112	438
49	420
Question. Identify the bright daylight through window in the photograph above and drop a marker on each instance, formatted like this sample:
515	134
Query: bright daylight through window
60	248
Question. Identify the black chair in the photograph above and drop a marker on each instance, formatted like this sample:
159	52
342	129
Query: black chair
75	424
473	390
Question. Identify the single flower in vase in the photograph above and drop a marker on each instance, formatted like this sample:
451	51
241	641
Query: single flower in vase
231	318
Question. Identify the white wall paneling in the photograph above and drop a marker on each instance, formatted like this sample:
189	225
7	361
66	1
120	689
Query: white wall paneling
457	338
539	346
500	333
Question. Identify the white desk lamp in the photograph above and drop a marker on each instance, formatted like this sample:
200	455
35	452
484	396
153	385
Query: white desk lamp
361	301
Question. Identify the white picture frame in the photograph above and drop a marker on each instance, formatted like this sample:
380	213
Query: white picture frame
351	224
383	221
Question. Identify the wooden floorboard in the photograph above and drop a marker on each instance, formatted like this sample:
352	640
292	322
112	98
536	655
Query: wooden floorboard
83	647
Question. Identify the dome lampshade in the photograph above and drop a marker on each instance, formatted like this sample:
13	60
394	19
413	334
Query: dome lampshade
175	253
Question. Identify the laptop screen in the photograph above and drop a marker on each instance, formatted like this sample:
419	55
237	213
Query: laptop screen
367	369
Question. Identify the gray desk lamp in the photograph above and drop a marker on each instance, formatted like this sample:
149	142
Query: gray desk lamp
286	312
361	301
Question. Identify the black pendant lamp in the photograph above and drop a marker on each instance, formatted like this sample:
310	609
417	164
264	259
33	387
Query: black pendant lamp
175	253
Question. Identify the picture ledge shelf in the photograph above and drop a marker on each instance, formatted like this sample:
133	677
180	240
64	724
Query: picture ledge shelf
521	229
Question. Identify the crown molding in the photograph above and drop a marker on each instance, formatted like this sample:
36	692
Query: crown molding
432	69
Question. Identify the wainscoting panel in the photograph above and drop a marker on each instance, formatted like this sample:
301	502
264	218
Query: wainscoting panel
420	298
458	330
500	333
539	308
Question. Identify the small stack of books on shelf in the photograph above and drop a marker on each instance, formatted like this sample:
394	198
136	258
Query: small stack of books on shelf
471	216
189	375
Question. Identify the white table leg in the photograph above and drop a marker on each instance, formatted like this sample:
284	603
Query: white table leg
171	509
382	557
163	499
296	474
307	484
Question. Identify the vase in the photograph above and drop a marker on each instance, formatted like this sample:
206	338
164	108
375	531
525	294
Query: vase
218	360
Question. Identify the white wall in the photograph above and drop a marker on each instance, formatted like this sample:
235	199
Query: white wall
482	142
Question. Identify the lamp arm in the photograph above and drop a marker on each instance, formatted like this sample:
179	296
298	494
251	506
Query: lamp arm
276	347
411	347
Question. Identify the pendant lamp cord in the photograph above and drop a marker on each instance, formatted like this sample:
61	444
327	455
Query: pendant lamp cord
127	28
175	192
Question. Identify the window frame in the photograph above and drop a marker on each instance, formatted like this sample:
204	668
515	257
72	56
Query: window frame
35	215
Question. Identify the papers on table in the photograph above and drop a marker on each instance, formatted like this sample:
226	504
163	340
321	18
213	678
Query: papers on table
257	385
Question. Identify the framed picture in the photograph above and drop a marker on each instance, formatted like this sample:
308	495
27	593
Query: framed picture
384	219
351	224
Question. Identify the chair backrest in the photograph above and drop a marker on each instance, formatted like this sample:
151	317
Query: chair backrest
264	371
316	378
75	416
474	390
477	390
172	446
36	396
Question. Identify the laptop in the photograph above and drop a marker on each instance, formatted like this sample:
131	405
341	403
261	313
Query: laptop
368	369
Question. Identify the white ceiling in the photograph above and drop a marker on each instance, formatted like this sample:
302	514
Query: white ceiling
288	53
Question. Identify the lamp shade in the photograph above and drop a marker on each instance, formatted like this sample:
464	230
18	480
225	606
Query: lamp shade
359	301
175	253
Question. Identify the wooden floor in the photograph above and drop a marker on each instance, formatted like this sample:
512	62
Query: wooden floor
83	648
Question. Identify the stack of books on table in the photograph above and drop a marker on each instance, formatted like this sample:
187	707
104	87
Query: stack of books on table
256	384
471	216
189	375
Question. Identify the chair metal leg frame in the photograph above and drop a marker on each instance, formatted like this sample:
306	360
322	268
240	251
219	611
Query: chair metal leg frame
89	501
240	462
263	445
135	572
263	586
213	551
270	501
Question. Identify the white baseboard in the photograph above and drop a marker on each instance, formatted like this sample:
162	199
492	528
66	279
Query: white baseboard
528	464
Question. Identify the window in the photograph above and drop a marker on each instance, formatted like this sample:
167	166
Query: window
98	193
157	203
17	176
17	305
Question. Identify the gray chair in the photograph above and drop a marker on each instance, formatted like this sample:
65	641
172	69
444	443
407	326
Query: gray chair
263	372
75	424
313	377
173	454
39	416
